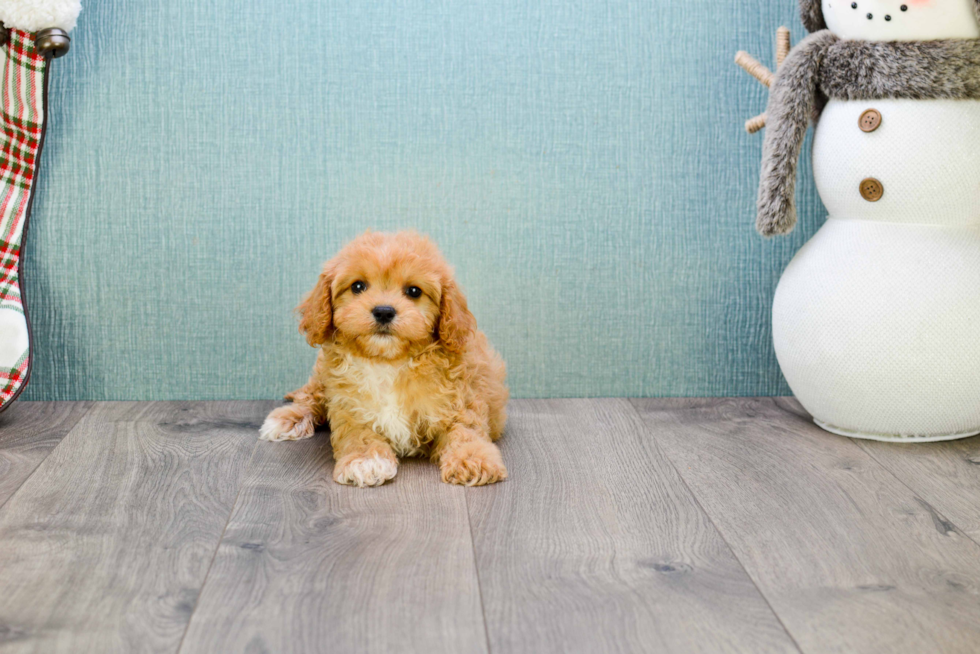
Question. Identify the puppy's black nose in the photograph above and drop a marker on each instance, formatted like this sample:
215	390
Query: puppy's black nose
384	314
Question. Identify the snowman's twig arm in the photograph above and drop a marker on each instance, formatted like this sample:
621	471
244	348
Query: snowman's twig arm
783	45
792	101
752	66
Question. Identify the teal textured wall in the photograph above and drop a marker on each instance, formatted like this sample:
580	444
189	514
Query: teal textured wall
582	162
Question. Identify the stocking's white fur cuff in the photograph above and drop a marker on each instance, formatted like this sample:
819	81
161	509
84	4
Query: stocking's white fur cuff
34	15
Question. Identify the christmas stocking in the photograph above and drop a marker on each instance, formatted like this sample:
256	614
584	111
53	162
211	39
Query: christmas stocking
32	36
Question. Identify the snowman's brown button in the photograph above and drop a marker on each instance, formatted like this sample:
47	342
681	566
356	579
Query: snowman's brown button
870	120
871	189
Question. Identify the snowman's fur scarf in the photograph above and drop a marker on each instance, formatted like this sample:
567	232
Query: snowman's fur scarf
823	66
863	70
34	15
792	103
811	11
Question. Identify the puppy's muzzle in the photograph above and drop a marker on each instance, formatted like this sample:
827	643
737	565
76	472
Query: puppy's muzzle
384	314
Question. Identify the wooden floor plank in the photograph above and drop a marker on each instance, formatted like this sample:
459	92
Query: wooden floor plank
847	555
307	565
105	547
947	475
28	433
595	545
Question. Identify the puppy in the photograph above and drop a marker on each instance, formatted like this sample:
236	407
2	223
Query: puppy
402	369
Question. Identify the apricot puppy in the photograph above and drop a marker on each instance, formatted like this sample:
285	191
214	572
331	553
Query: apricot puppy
402	369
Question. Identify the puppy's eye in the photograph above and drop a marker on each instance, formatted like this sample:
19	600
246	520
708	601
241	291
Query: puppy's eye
413	292
358	287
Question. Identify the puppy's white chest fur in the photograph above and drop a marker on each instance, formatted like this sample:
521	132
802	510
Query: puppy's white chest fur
384	408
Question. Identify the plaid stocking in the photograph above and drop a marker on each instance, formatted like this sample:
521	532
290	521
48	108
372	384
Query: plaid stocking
22	108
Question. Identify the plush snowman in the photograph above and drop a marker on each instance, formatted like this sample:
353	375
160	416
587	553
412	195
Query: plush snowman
876	321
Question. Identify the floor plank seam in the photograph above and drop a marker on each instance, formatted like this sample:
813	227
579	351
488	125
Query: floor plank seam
46	456
214	556
476	570
861	448
714	525
918	496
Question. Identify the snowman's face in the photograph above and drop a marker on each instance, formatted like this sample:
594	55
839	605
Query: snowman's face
901	20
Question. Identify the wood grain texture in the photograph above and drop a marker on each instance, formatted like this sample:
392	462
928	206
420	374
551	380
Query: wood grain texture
947	475
595	545
849	557
307	565
28	433
107	544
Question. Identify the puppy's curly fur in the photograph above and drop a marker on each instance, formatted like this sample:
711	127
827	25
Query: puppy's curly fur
427	383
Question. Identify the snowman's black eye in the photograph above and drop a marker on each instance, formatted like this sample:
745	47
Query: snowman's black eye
904	7
358	287
413	292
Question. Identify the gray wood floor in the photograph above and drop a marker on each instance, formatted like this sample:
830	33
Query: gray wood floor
626	526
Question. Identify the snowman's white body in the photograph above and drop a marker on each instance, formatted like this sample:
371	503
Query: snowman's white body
876	321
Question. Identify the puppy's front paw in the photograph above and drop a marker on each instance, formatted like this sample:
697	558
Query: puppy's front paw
369	470
287	423
476	464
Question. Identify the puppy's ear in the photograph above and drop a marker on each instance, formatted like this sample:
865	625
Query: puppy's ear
316	310
456	323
